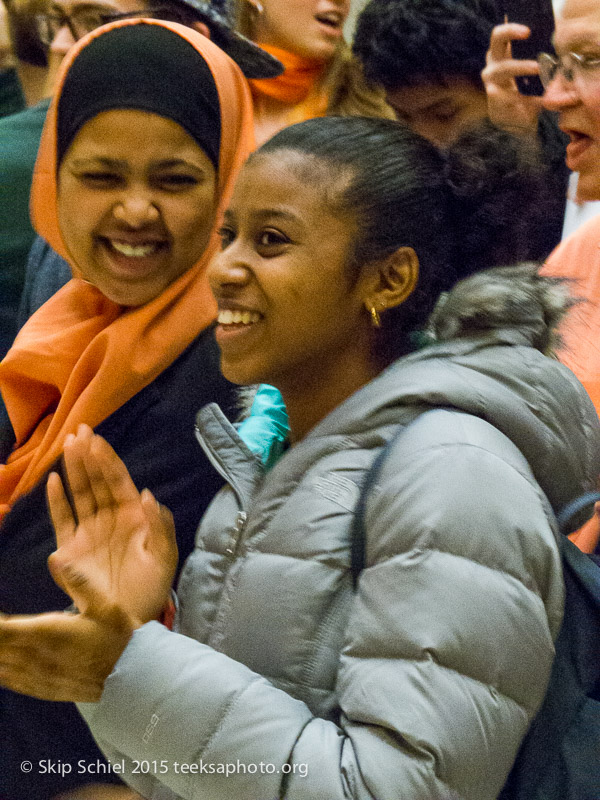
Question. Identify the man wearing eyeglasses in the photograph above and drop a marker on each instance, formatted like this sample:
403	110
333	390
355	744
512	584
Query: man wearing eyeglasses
571	79
573	90
572	84
577	64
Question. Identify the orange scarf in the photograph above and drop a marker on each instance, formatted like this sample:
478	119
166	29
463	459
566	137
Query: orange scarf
298	85
81	357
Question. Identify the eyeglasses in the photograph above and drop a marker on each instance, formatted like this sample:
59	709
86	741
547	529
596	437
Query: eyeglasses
572	66
85	20
80	22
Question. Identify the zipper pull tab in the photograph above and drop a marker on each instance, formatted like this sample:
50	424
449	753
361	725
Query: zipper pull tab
240	521
239	525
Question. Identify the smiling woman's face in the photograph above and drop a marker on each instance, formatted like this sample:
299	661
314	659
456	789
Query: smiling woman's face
136	203
289	313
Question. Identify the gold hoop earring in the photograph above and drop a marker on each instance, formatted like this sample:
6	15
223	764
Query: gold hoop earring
375	318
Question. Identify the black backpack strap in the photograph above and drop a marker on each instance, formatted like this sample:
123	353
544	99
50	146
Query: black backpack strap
357	529
571	517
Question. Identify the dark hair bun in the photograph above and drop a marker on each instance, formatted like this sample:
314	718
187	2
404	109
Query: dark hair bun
505	201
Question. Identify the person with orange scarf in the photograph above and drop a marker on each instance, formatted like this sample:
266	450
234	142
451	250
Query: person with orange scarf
321	76
138	156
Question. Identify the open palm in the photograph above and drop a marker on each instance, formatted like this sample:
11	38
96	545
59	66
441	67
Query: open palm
116	558
116	546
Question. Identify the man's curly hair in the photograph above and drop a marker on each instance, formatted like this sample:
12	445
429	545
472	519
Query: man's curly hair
411	42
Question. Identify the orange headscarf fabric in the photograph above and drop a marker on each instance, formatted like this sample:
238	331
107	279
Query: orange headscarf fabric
299	85
81	357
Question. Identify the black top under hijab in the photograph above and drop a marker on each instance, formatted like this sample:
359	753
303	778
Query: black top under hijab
145	67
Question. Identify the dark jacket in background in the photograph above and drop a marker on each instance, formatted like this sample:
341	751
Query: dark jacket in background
553	147
19	141
11	94
46	272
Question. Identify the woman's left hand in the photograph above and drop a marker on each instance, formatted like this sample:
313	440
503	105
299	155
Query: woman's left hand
116	558
115	544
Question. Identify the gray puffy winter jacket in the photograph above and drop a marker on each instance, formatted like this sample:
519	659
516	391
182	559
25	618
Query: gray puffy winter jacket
421	685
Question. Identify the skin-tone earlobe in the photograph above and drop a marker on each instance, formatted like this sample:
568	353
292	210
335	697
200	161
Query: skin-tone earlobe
202	28
395	278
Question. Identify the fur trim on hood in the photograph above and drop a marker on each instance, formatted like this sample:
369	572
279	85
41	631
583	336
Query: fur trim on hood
504	297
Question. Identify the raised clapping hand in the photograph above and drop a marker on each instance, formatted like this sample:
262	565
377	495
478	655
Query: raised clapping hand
116	558
507	107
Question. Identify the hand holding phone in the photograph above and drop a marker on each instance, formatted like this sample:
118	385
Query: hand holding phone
508	108
538	16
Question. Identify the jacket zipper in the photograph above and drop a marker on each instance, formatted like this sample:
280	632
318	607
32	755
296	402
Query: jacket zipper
208	451
236	537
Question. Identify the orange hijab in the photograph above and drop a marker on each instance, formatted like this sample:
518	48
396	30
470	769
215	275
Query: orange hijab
81	357
298	85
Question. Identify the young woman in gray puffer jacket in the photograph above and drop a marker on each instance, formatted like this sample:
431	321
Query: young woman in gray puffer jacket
280	680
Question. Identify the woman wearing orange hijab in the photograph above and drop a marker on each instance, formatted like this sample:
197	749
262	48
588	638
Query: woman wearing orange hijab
321	76
141	145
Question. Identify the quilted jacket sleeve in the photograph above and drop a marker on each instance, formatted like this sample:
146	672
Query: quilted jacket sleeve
448	651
